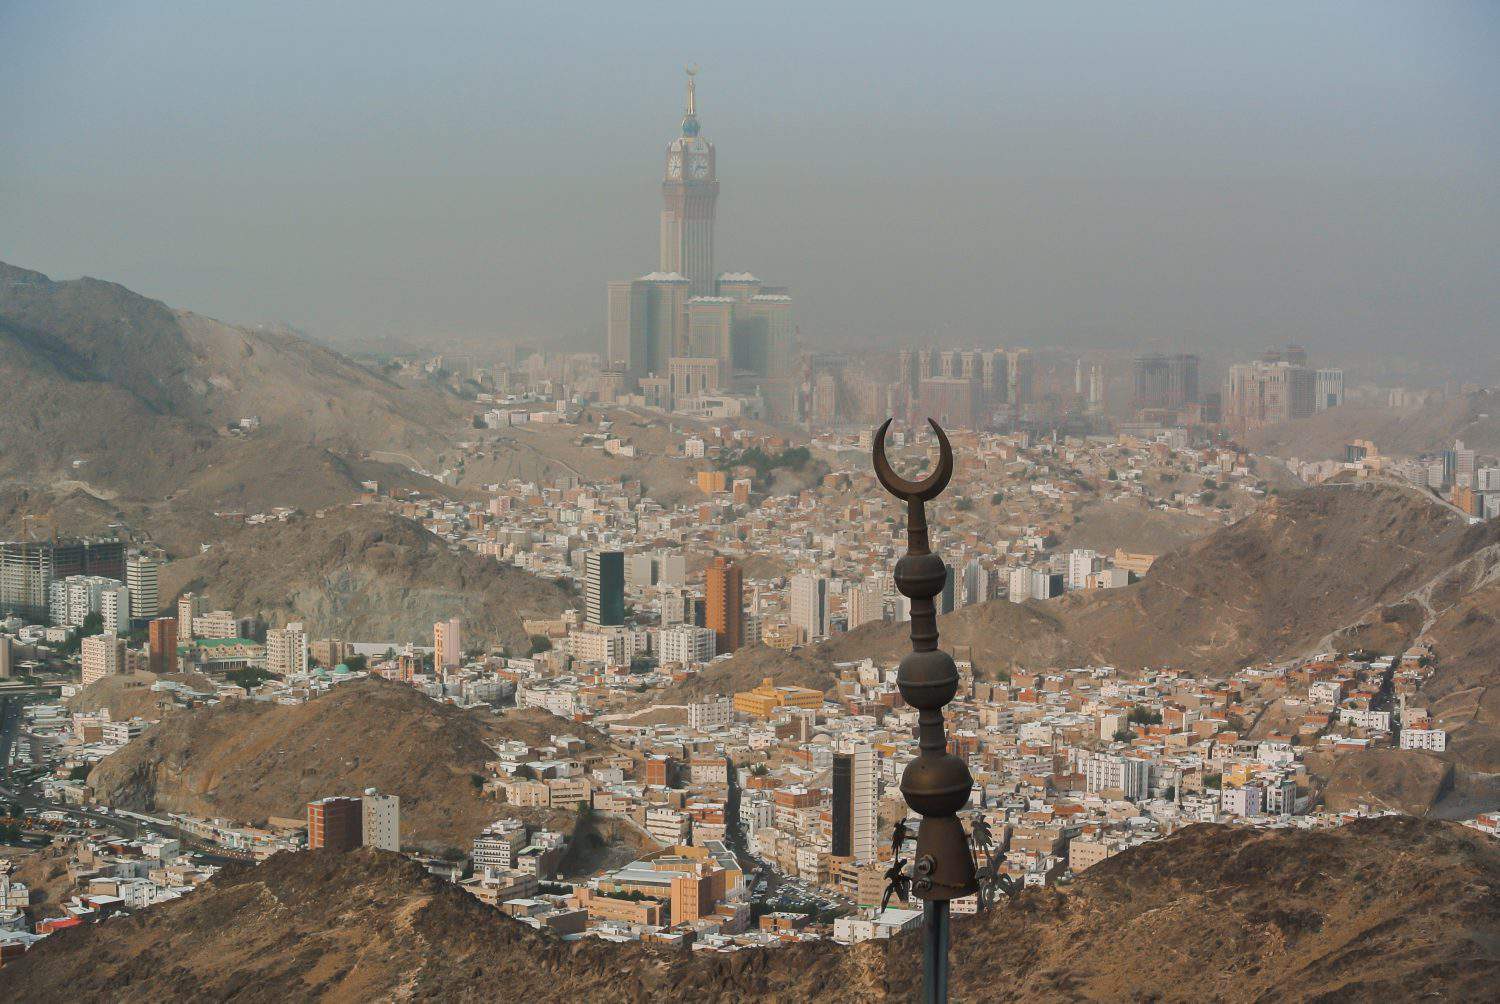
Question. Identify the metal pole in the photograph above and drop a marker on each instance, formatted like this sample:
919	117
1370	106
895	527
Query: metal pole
935	951
937	783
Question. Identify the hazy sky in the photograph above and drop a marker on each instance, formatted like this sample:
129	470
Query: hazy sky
1113	174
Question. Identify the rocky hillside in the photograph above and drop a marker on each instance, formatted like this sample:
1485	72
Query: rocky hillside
1473	417
249	761
1277	583
1380	910
364	574
130	400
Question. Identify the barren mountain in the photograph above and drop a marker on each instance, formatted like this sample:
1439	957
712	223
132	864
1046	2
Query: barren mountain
1474	418
1387	909
1275	584
130	400
364	574
248	760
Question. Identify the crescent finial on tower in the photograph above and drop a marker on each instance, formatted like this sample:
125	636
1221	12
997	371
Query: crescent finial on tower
690	116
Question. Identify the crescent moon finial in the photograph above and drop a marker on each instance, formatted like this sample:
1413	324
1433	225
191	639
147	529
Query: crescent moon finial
929	487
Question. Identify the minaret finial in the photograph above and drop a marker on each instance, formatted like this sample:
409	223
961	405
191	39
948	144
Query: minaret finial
690	115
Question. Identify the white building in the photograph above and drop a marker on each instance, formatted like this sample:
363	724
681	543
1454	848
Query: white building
668	826
810	605
1246	800
120	733
706	716
499	844
1082	563
381	815
1435	740
71	600
114	608
686	644
852	929
1108	771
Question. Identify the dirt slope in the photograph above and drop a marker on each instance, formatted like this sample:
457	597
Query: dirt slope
249	761
363	574
1389	909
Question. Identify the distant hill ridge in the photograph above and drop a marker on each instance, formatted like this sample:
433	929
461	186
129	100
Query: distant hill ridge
111	389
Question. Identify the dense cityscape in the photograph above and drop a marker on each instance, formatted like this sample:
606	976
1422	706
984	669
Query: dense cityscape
608	638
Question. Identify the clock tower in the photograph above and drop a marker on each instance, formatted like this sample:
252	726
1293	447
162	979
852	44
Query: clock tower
689	191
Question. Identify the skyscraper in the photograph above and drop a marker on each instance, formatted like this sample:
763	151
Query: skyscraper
1165	382
689	192
723	328
726	605
810	605
604	587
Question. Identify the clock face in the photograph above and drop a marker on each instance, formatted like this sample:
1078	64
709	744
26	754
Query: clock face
698	167
674	166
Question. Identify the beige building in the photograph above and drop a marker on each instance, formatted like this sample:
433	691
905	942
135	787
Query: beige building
102	655
286	649
447	644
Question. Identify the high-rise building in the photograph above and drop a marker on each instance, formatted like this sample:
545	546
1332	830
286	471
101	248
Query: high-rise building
1330	389
1268	393
855	803
810	605
955	402
725	611
71	600
102	655
143	576
604	587
1165	382
28	568
189	609
865	604
726	326
690	191
161	636
977	587
686	644
1082	562
380	820
336	824
115	606
286	649
447	644
7	657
